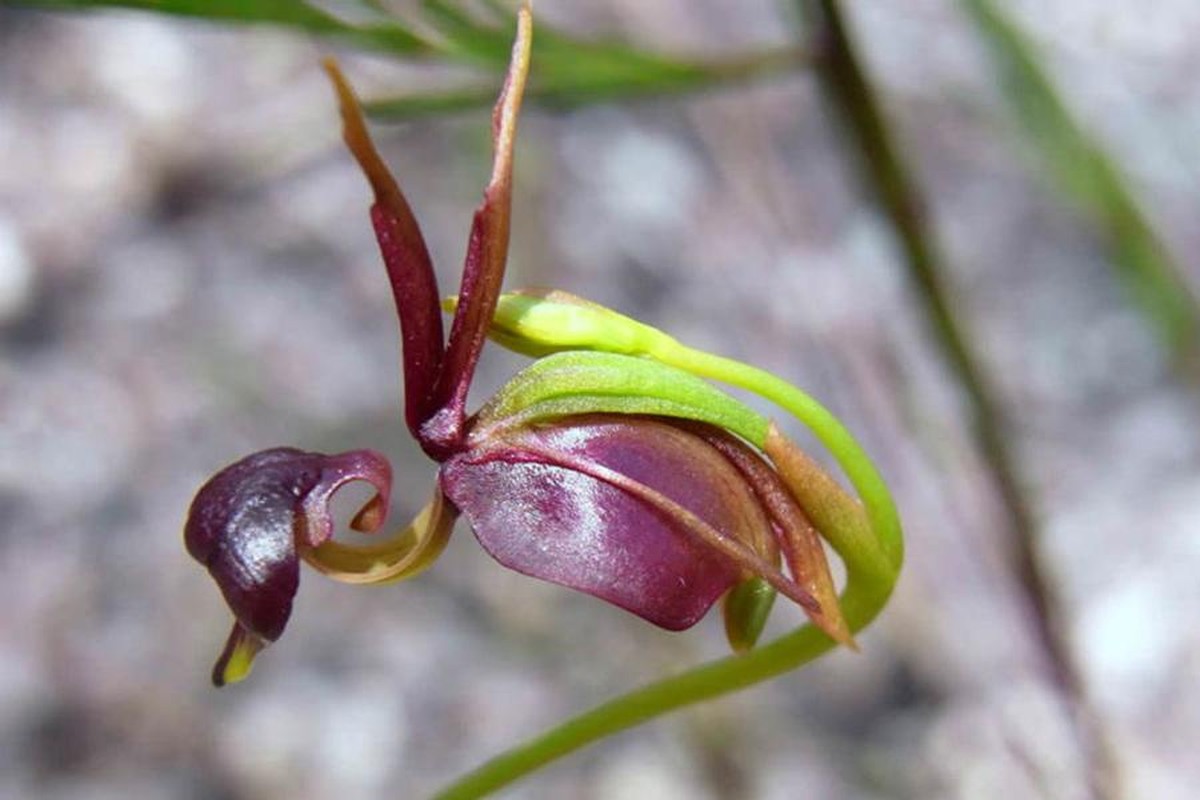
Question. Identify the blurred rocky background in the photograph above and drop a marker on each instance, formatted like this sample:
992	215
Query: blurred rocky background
187	274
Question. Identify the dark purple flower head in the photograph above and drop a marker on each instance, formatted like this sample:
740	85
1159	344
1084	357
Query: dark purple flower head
249	521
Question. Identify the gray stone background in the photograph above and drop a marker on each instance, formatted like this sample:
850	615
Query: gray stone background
187	275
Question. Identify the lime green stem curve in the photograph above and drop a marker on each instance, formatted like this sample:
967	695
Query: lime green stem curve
867	591
864	597
858	467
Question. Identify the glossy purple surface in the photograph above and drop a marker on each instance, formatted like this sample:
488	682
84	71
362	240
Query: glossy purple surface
244	525
543	517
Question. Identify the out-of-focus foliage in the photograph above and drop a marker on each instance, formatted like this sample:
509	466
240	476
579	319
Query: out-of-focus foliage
571	71
1089	178
391	36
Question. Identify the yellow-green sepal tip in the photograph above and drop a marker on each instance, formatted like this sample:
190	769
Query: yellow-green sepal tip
237	659
746	609
537	322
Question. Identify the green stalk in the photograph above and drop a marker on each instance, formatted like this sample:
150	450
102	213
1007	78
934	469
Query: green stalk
859	469
864	597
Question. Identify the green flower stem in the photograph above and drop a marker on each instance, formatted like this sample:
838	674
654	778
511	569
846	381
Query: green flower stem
881	510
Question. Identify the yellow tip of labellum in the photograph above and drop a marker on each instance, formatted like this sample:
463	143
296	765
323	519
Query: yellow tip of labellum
237	659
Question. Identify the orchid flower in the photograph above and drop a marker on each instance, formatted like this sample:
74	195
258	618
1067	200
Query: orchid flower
611	465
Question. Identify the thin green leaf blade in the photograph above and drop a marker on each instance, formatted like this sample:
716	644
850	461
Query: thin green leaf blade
387	35
1091	179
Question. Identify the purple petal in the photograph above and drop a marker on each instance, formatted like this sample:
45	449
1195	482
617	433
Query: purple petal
409	268
483	270
544	518
244	524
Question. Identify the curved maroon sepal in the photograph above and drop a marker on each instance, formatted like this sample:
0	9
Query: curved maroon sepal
535	511
246	521
405	255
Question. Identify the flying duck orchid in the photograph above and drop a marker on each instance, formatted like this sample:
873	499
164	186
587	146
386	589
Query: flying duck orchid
611	465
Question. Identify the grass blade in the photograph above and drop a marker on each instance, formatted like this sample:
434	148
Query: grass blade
390	36
1094	183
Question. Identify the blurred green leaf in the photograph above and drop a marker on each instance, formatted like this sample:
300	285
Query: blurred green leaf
1093	181
385	35
570	71
469	38
561	90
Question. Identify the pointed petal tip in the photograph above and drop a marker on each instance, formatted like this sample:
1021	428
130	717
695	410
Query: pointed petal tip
332	69
358	140
838	631
508	105
833	624
347	102
237	658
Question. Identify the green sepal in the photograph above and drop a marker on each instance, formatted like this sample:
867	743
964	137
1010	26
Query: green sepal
586	382
536	323
746	608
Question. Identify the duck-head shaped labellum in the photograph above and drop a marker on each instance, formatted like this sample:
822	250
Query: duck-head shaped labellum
251	520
